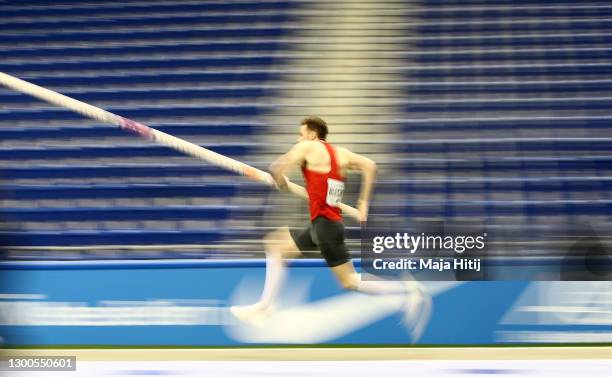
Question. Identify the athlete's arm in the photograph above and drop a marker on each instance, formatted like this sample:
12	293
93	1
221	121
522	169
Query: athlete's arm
291	159
368	176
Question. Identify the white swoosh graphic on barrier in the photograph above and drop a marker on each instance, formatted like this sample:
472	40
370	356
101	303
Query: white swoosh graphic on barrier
324	320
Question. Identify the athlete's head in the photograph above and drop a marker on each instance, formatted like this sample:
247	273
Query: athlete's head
313	128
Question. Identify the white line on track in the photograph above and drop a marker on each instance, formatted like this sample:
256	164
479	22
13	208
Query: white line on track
446	368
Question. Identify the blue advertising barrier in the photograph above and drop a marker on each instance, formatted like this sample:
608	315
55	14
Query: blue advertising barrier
185	303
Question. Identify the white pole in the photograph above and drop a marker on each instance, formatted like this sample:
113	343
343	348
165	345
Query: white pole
155	136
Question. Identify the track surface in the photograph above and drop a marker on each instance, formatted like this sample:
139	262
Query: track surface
552	368
354	362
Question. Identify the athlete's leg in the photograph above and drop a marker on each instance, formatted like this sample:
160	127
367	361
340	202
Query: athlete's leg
350	279
346	275
417	304
330	238
279	245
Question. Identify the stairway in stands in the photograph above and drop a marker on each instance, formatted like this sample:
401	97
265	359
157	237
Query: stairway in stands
340	65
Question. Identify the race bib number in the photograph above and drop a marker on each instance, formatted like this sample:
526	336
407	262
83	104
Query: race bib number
335	189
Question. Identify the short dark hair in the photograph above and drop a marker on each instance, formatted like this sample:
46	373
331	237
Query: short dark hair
317	125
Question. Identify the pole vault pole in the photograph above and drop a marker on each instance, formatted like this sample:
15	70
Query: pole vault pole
156	136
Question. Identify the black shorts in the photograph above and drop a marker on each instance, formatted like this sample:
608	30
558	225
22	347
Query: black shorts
324	235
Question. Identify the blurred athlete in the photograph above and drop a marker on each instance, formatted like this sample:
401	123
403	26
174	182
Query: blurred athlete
324	168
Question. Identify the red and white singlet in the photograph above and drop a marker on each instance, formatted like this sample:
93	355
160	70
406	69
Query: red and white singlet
325	189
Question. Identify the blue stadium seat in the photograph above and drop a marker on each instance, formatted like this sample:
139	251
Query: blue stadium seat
118	237
578	26
180	130
45	172
515	55
505	124
508	13
596	103
151	213
488	165
109	52
31	192
143	94
507	87
137	113
97	151
543	147
270	32
143	11
135	20
584	69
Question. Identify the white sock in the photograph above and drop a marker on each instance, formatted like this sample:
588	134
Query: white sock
275	274
380	287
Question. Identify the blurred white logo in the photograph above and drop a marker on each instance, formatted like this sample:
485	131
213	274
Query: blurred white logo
565	303
299	321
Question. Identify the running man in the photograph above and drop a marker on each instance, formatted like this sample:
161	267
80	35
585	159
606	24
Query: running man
324	168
